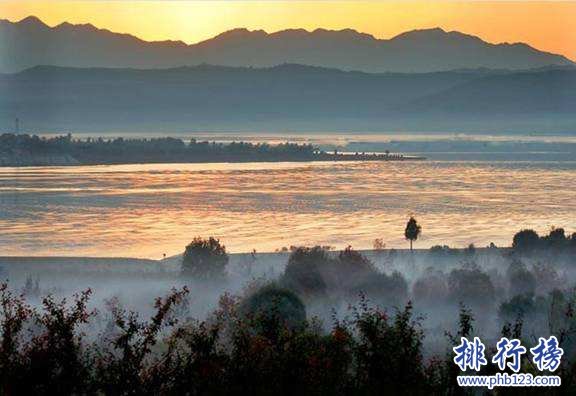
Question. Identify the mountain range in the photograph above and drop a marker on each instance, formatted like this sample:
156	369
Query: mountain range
286	97
30	42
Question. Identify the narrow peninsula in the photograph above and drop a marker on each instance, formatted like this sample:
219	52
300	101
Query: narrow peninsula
33	150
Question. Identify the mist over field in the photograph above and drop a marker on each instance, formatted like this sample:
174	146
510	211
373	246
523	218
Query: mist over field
499	285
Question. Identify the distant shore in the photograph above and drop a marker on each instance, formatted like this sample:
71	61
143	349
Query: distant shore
31	150
26	160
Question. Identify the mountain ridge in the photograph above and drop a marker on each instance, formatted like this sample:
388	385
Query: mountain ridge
286	97
30	42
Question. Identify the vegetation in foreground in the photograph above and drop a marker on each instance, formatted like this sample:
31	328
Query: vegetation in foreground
265	342
262	345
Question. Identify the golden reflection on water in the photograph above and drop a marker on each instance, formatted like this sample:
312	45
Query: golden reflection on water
148	210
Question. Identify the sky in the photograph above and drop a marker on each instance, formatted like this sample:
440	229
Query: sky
546	25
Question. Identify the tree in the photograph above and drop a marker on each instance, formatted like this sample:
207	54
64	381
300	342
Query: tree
413	230
430	289
305	270
521	280
472	287
378	245
350	269
556	239
205	259
383	289
526	241
272	308
352	263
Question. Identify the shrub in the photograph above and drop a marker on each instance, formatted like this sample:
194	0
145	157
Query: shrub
547	277
273	306
472	287
124	366
521	280
205	259
386	290
351	268
56	355
388	353
522	306
52	359
439	249
15	312
195	362
439	253
529	310
306	269
430	289
378	244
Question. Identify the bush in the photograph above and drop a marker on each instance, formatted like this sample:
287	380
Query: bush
52	359
471	287
205	259
524	306
521	280
388	353
125	365
430	289
351	268
306	269
547	277
378	244
470	250
438	254
273	306
386	290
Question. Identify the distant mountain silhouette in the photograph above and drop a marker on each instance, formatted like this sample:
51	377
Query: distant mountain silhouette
286	97
30	42
544	92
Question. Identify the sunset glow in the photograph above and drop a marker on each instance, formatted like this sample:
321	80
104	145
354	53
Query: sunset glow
544	25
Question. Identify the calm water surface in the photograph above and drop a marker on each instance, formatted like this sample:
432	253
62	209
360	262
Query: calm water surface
148	210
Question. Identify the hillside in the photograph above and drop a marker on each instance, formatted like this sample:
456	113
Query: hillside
295	97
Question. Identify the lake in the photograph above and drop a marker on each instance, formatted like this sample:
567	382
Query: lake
151	210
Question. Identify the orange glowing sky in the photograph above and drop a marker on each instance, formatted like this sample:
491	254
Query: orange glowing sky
546	25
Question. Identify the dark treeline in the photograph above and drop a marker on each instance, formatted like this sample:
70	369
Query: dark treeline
32	149
171	150
529	241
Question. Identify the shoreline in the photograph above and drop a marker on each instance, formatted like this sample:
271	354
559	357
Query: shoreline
69	161
32	150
